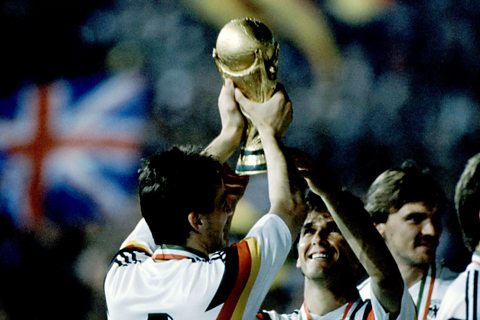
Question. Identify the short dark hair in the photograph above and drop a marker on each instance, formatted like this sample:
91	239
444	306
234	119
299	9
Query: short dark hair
467	202
174	183
314	202
395	187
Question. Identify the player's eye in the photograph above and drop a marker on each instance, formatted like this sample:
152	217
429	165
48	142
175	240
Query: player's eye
415	218
308	231
332	227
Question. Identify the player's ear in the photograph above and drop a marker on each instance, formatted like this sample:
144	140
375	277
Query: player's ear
381	229
298	257
195	220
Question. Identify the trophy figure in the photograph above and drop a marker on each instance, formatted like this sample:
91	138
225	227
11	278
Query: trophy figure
247	53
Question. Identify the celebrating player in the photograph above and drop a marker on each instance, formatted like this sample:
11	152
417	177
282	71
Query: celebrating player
336	240
182	269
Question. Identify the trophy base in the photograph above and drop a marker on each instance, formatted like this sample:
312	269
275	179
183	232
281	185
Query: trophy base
251	162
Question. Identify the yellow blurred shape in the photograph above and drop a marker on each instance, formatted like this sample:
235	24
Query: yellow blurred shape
356	12
300	21
245	217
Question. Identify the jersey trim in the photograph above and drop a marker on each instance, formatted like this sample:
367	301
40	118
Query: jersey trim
129	255
248	267
175	252
229	279
471	295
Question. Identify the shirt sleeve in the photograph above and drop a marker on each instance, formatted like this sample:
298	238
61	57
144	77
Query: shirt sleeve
140	238
275	242
260	256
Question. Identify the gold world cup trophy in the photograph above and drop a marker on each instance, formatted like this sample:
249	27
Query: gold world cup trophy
247	53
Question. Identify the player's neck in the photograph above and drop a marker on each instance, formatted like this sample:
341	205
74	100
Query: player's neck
412	274
194	243
320	299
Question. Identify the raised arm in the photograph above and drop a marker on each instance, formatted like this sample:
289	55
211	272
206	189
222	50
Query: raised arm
233	123
271	119
356	226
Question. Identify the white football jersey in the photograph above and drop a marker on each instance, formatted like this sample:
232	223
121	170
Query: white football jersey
462	299
357	310
427	293
177	283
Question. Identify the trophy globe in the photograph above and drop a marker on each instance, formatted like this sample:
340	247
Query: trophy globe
247	53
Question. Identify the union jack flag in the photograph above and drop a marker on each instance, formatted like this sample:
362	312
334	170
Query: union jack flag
69	150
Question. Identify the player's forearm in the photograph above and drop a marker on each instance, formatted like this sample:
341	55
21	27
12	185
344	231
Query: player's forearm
224	145
281	200
233	124
278	184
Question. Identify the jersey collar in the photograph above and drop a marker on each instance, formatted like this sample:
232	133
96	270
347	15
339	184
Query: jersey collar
306	315
176	252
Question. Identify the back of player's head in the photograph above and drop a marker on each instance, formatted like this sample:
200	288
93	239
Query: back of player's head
172	184
467	202
398	186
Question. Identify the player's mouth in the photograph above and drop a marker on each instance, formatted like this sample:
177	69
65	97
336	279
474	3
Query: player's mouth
321	255
429	244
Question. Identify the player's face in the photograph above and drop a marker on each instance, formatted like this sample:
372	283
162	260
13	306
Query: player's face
218	222
412	233
321	247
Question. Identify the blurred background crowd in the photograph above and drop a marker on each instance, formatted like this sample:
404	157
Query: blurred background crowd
88	87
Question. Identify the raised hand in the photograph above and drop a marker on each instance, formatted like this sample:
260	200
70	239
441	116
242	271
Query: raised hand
233	122
233	125
274	114
308	169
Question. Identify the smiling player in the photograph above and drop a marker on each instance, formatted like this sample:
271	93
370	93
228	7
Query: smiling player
337	239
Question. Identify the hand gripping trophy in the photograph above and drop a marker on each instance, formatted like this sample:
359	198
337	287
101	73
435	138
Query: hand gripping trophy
247	53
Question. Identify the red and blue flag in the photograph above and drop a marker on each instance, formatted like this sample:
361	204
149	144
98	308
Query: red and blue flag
70	150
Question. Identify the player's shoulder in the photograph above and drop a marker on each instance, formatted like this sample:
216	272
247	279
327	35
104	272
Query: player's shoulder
271	230
129	255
